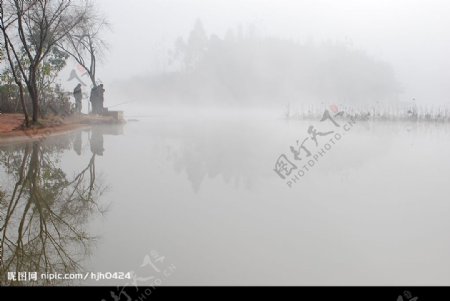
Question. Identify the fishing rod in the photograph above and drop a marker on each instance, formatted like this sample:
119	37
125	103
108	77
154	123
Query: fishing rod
123	103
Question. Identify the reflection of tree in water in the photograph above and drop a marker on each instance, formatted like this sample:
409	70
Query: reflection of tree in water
232	151
242	153
44	213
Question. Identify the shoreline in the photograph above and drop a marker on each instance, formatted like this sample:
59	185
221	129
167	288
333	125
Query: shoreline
11	131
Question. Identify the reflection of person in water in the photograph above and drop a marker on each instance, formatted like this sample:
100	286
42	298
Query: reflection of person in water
77	143
97	142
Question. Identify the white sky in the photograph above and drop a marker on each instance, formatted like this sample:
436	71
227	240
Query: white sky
412	35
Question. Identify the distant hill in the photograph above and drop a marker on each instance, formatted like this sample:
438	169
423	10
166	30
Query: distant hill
244	68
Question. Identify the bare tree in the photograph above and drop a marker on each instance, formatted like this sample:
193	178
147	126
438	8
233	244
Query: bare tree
31	29
85	43
5	22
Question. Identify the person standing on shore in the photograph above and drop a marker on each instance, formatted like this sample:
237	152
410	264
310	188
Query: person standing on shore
101	98
78	94
94	100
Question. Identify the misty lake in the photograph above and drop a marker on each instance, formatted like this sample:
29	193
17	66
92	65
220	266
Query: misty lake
196	201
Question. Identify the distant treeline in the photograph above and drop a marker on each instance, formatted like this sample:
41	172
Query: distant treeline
247	68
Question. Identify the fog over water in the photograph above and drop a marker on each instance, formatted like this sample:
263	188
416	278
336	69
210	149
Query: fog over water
372	211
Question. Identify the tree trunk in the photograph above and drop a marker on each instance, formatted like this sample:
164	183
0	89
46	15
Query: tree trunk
35	100
24	107
34	94
92	77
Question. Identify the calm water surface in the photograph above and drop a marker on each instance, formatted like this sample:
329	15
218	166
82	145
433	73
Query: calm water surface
196	201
